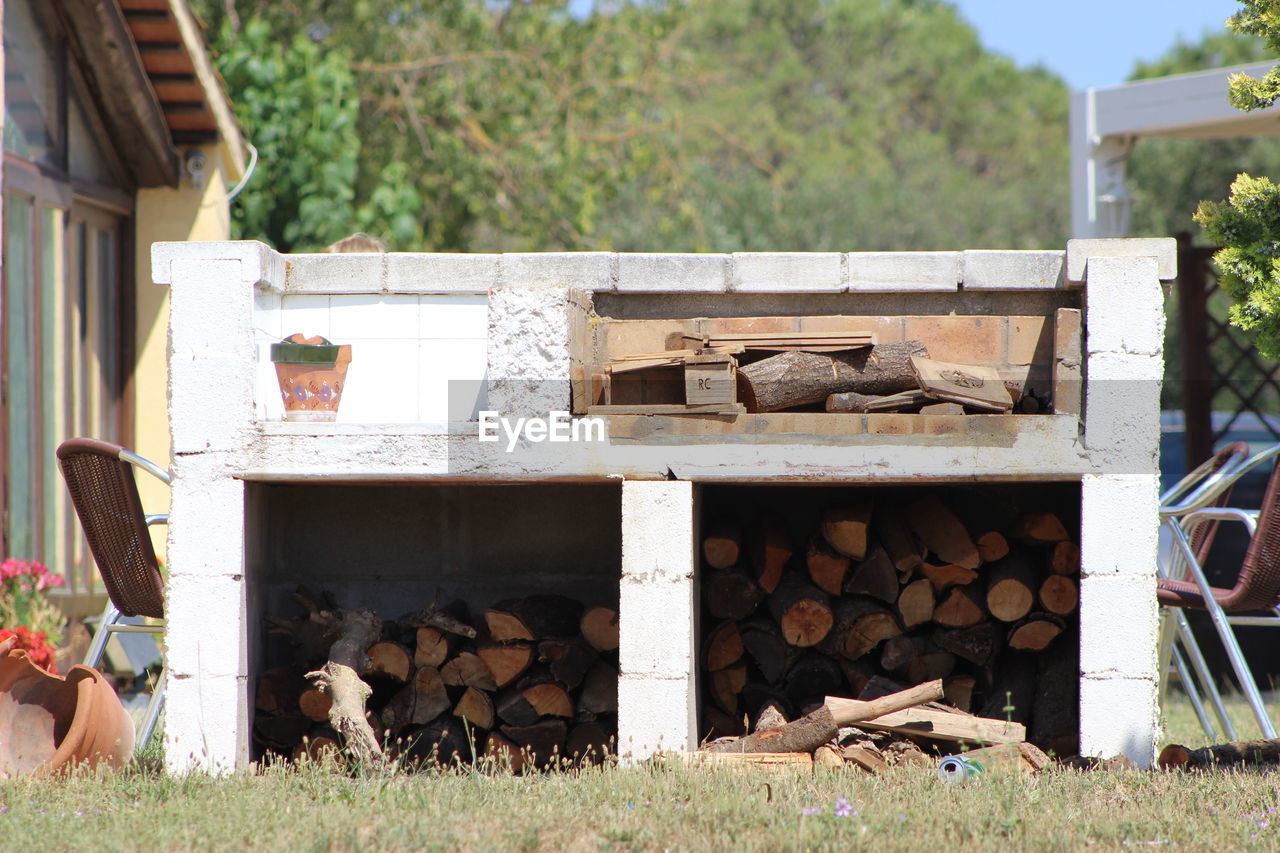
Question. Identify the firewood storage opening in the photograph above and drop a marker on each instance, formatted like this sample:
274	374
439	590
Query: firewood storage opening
856	592
497	610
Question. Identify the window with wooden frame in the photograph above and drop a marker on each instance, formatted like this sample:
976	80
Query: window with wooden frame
66	302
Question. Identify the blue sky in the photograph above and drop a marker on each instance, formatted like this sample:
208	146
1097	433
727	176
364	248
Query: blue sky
1087	42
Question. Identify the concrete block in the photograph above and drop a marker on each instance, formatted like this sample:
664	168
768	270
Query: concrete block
335	273
659	530
1124	307
672	273
1118	717
587	270
656	715
788	272
211	405
1119	627
656	618
892	272
1012	270
1122	408
211	308
259	263
441	272
206	725
530	350
205	626
1120	525
1081	251
206	524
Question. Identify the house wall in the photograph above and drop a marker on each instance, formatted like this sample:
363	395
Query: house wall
163	214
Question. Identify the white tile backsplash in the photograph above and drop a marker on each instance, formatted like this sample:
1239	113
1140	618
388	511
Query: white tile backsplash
452	317
305	313
367	316
382	382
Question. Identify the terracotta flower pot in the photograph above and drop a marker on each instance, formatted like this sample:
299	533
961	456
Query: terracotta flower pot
49	723
311	372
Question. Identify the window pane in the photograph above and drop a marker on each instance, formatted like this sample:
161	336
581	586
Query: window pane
32	119
19	353
86	159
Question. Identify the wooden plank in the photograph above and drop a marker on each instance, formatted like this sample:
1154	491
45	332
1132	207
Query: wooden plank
801	760
974	385
669	409
944	725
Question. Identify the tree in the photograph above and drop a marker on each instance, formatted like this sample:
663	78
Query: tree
1247	225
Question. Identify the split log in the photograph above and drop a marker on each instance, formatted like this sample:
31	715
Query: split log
442	741
865	757
476	707
318	744
960	608
829	755
542	743
432	647
503	753
726	686
599	627
931	664
802	610
279	690
894	533
861	624
505	661
722	647
942	532
568	660
827	569
823	725
718	724
280	732
314	704
992	546
948	726
770	716
600	689
897	652
1011	587
723	543
1248	753
769	548
468	670
943	577
587	743
812	677
915	603
1040	527
419	702
977	644
731	594
763	641
875	576
549	700
1055	721
845	529
792	379
958	691
1059	595
1066	558
536	617
1013	693
1035	633
857	674
903	401
389	660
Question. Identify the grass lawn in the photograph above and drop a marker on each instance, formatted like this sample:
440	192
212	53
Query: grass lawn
651	807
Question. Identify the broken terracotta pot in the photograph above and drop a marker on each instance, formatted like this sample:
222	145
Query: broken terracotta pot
49	723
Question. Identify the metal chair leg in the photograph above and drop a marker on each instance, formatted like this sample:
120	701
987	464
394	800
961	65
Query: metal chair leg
110	615
1204	675
1189	687
153	712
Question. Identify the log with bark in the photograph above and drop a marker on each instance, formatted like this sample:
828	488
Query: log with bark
942	532
793	379
827	568
1249	753
535	617
845	528
1011	587
731	594
874	576
722	543
769	548
599	626
802	611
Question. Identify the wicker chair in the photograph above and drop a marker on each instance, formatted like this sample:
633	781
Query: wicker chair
99	476
1254	599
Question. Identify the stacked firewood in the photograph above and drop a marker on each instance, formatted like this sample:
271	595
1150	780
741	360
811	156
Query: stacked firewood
893	592
532	682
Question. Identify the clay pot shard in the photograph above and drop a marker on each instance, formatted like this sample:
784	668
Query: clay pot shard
49	723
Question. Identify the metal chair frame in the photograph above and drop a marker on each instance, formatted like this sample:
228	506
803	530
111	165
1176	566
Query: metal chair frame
1192	521
111	623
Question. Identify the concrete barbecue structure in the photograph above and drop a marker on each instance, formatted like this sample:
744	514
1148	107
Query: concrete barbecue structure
399	495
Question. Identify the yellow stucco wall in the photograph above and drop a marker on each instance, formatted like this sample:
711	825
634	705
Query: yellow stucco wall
168	214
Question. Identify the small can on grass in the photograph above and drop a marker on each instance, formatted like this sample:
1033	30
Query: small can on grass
957	769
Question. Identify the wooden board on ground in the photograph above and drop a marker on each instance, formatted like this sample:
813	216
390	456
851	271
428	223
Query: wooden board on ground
668	409
944	725
789	341
975	385
801	760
